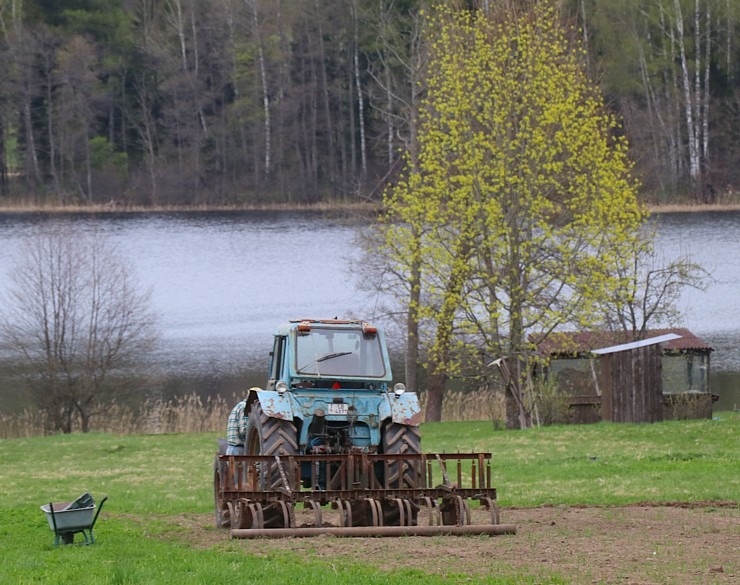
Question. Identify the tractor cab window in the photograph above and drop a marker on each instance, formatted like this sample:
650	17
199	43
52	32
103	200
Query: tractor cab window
276	364
339	352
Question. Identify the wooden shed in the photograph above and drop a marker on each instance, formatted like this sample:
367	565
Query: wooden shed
669	378
630	380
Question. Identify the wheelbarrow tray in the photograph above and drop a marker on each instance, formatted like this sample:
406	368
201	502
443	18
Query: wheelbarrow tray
67	520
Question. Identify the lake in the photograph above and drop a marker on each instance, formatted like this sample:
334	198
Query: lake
222	281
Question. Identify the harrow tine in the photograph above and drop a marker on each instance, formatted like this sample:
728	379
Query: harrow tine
401	512
238	517
283	476
376	511
409	512
490	505
258	519
232	514
444	470
435	519
459	511
466	510
287	510
495	514
317	516
345	514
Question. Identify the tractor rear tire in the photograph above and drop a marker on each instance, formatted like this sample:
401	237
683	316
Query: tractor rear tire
397	440
270	436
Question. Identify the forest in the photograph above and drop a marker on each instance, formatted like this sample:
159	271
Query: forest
260	102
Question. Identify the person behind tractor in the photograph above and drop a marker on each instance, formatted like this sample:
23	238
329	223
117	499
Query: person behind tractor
236	429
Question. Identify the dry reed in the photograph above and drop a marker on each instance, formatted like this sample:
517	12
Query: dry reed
477	405
690	208
186	414
191	414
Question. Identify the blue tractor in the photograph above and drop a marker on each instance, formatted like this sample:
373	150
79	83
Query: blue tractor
330	391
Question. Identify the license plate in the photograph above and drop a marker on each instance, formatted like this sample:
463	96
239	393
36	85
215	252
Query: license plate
338	408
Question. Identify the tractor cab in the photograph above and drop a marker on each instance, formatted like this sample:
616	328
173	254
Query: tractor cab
329	354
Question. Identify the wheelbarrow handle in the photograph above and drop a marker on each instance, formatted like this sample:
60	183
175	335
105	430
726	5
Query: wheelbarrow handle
100	507
53	519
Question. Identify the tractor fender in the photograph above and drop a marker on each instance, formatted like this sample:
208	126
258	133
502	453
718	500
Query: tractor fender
405	409
276	405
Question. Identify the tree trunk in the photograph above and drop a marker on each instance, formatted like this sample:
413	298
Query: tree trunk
688	105
441	354
3	161
435	395
50	134
412	319
709	193
331	160
360	100
265	92
84	422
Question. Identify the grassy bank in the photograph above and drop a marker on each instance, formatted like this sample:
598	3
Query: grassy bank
151	479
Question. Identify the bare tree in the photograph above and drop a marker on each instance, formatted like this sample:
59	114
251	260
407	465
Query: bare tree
74	76
77	320
650	289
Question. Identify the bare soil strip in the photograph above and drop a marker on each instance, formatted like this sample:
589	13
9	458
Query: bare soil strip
643	544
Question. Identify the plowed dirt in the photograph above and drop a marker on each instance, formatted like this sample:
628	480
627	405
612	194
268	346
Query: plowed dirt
638	544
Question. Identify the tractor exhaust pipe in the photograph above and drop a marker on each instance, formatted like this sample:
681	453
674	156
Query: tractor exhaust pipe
365	531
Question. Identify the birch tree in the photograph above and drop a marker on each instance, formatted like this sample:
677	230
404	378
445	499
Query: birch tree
265	88
681	52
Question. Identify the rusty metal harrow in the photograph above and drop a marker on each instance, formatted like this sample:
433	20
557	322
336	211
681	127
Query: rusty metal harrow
380	495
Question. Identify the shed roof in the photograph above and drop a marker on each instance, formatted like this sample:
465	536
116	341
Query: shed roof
575	343
635	344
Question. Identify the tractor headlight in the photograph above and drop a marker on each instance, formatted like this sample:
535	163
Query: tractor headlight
399	389
281	387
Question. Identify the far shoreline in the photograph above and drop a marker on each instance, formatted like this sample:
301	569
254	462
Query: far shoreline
366	207
692	207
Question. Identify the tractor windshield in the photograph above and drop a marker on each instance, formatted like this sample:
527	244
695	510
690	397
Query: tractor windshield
339	352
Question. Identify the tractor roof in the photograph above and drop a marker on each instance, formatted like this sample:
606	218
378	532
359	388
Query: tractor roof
293	324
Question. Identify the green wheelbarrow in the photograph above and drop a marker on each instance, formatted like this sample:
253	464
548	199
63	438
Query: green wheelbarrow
69	518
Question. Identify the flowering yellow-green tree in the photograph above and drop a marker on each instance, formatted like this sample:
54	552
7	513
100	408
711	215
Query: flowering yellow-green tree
520	196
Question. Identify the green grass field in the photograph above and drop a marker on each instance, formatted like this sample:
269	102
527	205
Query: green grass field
150	478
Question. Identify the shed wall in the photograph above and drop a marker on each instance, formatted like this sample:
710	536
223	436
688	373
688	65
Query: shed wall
631	384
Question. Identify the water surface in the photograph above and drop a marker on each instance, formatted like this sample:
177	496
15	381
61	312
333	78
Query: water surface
222	281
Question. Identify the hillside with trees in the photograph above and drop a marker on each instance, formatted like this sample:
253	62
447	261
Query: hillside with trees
249	102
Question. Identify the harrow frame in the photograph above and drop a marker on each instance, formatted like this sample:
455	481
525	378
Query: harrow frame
356	485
